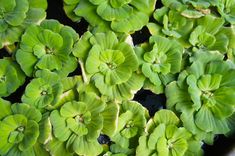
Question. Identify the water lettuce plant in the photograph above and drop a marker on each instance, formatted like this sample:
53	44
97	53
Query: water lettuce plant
124	16
191	8
11	77
203	94
159	60
226	10
47	46
144	77
79	123
212	35
43	92
170	23
16	15
165	136
19	124
131	123
109	64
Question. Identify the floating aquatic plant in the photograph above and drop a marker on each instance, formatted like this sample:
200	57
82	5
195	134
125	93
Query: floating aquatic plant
109	64
16	15
11	77
131	123
79	124
66	95
159	60
47	46
19	124
203	94
124	16
165	136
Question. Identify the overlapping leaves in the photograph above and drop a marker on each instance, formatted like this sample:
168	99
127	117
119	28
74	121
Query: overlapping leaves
118	15
109	64
48	46
159	61
204	94
164	136
79	123
131	123
19	124
11	77
16	15
190	57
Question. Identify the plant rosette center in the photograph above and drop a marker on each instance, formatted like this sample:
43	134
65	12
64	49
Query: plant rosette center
45	90
208	84
2	79
110	60
17	135
157	60
77	121
129	130
83	118
111	64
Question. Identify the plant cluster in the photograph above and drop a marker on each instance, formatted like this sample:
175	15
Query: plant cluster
190	57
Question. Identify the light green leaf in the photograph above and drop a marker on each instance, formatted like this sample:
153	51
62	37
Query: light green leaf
35	15
110	117
82	146
134	22
192	14
153	77
94	104
108	13
211	23
206	121
60	129
157	134
31	134
5	107
194	91
58	148
30	112
209	82
93	60
166	116
45	129
8	5
73	108
162	147
38	4
17	16
50	62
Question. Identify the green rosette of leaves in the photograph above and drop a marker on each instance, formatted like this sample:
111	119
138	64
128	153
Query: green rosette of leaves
78	124
11	77
124	16
48	91
159	60
16	15
212	35
191	8
109	64
131	123
48	46
204	95
172	24
165	137
43	92
19	124
226	9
